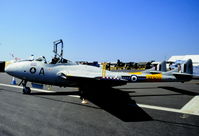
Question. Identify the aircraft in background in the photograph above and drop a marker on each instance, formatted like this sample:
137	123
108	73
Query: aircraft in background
64	73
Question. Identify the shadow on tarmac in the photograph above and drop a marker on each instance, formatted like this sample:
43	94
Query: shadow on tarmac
178	124
117	103
177	90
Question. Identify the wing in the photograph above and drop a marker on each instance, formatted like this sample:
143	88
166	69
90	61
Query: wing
91	79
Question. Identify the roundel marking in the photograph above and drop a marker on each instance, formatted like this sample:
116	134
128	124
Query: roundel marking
134	78
33	70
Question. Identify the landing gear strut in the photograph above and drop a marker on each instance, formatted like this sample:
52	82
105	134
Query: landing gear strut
83	96
26	90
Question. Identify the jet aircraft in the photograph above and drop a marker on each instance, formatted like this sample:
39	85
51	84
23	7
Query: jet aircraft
64	73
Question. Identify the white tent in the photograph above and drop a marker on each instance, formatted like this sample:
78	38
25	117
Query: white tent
195	59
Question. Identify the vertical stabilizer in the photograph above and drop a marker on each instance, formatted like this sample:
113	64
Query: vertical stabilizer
162	66
187	67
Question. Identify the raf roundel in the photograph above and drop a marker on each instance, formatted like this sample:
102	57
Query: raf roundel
33	70
134	78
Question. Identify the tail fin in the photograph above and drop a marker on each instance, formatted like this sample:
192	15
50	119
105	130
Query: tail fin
187	67
157	69
162	66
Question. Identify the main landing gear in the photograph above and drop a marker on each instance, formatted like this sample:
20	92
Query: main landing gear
26	90
83	95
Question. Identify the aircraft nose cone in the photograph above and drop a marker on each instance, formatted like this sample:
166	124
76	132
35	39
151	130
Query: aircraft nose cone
15	69
9	69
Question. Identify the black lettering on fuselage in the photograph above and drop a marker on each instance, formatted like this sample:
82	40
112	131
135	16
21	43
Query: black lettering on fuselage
41	72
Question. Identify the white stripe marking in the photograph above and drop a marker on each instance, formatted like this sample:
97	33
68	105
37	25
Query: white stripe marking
38	90
159	108
75	96
10	85
192	107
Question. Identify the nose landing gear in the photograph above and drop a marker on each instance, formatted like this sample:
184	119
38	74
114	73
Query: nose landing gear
26	90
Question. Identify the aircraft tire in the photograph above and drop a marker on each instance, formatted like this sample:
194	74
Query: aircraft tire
26	90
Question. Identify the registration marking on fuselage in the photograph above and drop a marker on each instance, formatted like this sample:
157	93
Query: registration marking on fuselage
191	108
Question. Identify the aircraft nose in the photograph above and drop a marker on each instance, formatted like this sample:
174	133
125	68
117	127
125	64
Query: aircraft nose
10	69
7	69
15	69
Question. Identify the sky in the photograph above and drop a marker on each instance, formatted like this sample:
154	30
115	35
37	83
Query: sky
100	30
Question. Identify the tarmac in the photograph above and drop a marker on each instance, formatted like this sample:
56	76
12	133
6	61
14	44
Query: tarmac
140	109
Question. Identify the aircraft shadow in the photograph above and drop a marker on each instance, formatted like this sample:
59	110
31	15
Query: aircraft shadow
117	103
177	90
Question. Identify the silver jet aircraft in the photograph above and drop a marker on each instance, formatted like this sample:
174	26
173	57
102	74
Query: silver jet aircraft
64	73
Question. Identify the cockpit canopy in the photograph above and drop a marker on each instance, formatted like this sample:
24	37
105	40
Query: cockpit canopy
54	60
60	60
42	59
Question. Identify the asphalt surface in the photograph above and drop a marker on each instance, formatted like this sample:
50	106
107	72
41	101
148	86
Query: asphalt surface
141	109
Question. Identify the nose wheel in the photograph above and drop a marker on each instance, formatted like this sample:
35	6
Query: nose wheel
26	90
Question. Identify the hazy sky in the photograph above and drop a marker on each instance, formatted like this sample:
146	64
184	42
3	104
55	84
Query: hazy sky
102	30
